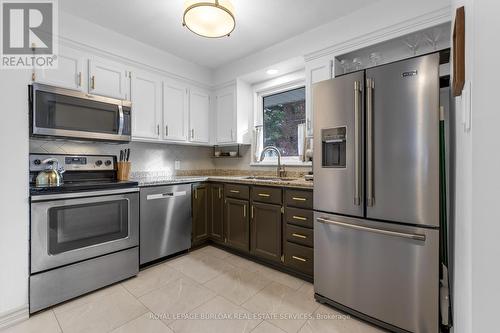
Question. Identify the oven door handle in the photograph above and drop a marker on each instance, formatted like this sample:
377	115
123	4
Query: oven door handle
166	195
37	198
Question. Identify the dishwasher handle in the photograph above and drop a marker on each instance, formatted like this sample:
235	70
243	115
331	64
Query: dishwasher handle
166	195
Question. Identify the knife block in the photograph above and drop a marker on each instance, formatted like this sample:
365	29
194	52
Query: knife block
123	171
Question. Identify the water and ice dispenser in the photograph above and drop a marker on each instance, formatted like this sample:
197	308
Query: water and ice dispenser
333	145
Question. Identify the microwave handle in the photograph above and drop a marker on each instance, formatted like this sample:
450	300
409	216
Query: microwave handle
121	120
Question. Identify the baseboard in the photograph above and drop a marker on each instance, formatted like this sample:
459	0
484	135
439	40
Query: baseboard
11	318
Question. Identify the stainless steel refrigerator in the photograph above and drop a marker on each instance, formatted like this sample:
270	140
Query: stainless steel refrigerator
376	194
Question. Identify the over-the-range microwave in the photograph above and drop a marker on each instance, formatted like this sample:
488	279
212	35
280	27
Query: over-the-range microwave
64	113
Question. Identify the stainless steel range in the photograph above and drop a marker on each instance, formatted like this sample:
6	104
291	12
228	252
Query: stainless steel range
84	233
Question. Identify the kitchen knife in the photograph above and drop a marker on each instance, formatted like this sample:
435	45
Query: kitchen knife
121	155
128	154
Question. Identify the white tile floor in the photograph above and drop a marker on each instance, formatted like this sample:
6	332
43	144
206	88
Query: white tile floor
207	290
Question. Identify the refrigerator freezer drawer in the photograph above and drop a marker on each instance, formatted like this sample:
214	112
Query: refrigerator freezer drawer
385	271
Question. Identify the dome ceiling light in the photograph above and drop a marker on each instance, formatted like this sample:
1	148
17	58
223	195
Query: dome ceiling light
211	19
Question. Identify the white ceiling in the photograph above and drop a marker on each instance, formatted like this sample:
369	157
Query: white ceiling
259	24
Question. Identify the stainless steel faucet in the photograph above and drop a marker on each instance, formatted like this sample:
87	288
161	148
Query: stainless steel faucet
280	172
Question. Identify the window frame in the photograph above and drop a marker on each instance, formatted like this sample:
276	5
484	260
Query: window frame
259	122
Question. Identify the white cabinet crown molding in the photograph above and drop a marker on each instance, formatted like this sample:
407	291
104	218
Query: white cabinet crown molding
434	18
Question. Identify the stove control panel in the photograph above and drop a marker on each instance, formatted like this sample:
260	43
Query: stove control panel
39	162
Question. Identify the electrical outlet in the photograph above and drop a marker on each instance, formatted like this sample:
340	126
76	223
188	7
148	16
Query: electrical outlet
177	165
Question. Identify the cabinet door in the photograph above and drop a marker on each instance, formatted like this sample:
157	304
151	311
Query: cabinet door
199	112
266	231
200	213
146	105
225	116
107	78
69	73
175	111
237	224
216	209
316	71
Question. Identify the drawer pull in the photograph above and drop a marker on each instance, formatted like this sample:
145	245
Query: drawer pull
234	191
299	199
300	218
299	236
299	258
265	195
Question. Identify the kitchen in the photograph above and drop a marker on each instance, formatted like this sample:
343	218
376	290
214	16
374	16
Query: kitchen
160	180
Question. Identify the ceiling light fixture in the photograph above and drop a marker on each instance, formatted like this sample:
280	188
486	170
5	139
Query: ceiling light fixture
211	19
271	71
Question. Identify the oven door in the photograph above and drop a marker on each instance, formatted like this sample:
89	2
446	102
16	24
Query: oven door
66	228
57	112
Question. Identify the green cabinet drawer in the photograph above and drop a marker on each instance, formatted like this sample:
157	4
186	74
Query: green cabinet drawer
299	257
297	216
237	191
299	235
272	195
299	198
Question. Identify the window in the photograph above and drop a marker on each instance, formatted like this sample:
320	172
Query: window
283	121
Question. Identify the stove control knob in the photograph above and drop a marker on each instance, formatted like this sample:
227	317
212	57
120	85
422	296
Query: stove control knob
37	162
98	163
107	163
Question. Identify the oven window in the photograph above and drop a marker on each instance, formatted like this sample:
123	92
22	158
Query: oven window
75	114
77	226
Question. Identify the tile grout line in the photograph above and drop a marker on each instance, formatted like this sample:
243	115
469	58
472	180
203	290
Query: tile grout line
57	320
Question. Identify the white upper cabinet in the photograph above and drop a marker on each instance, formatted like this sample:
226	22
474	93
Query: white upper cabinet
69	73
108	78
175	111
199	116
233	107
316	71
225	131
146	105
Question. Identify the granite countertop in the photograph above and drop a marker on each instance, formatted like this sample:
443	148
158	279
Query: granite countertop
267	181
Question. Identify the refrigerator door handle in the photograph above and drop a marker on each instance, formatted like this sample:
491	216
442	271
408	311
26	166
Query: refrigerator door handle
417	237
369	142
357	143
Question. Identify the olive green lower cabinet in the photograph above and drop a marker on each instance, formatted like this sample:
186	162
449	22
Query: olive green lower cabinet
272	224
199	199
266	231
237	224
216	211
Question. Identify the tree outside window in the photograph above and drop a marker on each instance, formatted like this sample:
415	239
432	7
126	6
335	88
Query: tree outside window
283	115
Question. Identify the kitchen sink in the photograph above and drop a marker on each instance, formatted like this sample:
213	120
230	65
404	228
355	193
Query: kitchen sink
269	178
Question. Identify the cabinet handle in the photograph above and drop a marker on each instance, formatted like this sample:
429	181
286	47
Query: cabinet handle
220	193
265	195
92	82
79	79
234	191
166	130
300	218
299	236
299	259
158	129
244	210
196	193
299	199
251	212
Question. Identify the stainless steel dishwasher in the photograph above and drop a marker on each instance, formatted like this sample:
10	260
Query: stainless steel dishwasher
166	221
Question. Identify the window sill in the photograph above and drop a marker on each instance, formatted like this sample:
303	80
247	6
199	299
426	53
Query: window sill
274	164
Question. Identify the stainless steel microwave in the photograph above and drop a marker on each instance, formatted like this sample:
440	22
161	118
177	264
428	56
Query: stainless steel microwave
64	113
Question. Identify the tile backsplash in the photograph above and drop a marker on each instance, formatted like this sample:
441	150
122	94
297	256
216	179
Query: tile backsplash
150	157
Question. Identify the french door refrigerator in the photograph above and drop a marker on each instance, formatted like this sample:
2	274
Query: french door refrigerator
376	194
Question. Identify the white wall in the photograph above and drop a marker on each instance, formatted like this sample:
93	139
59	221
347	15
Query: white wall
13	190
478	178
380	15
